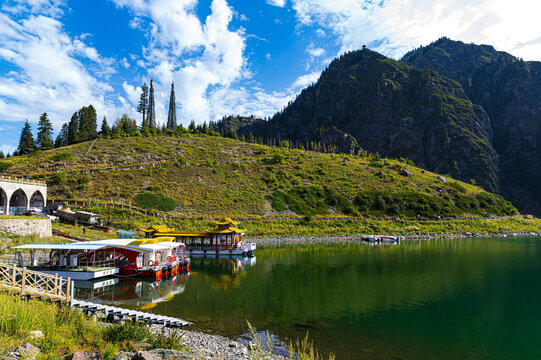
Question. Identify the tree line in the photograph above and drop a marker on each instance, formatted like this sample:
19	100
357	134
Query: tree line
83	126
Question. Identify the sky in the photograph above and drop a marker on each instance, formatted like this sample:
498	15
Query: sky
225	57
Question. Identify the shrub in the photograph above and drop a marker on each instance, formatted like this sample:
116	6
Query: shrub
62	156
148	200
59	177
127	331
278	201
4	165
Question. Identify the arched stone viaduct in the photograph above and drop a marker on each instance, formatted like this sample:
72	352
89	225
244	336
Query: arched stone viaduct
17	195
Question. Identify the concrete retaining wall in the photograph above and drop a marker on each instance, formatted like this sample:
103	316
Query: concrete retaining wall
42	227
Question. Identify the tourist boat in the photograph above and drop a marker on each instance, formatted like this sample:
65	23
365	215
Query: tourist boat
155	258
225	240
380	239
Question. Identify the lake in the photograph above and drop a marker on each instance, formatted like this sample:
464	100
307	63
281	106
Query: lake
444	299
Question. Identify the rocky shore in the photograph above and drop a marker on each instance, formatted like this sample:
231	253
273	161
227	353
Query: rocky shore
345	239
200	347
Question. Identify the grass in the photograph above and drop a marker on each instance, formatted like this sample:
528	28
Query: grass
130	220
299	349
214	176
68	330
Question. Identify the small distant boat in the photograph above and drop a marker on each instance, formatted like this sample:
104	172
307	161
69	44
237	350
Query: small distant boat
381	239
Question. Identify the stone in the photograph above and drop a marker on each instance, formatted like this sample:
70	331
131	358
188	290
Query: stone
79	355
145	355
405	172
166	354
124	356
36	334
27	351
142	345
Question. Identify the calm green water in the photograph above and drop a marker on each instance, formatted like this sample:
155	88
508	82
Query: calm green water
449	299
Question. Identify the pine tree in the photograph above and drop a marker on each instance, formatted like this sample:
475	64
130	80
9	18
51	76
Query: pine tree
143	105
105	130
45	133
192	126
172	116
2	156
151	108
62	138
87	123
26	141
73	130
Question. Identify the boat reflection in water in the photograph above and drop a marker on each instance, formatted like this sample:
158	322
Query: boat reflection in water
145	293
130	292
221	265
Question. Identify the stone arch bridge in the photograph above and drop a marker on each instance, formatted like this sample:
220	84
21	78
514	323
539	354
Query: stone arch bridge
18	195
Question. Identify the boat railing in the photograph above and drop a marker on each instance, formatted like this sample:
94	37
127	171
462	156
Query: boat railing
97	263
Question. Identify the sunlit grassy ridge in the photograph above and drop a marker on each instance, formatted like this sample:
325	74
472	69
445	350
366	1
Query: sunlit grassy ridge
213	176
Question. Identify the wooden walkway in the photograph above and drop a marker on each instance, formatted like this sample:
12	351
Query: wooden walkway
116	313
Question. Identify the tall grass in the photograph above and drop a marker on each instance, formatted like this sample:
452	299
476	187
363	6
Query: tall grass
299	349
67	330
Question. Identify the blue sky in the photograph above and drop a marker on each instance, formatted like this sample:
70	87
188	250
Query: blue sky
225	56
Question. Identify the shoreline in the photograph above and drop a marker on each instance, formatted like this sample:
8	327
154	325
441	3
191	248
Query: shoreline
356	238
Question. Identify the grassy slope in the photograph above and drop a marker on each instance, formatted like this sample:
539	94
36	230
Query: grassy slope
224	176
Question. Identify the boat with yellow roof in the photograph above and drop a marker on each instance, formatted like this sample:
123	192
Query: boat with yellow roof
224	240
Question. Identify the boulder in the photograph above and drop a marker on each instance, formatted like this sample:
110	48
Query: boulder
405	172
145	355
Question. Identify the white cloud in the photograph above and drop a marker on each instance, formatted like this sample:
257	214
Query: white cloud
50	75
305	80
7	149
125	63
44	7
315	52
279	3
396	26
200	57
268	56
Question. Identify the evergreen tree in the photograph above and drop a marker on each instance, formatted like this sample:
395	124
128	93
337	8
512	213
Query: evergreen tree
26	140
172	116
87	123
151	108
143	105
64	134
192	126
45	133
2	156
73	130
105	130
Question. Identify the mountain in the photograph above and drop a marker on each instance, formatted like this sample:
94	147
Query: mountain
384	106
509	89
211	176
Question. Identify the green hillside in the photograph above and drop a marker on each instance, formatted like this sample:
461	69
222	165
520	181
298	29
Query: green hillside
215	176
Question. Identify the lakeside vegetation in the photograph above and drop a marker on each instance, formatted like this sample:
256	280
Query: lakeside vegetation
67	330
130	220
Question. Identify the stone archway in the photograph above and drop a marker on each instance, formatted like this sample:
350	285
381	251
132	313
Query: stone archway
36	200
18	202
3	201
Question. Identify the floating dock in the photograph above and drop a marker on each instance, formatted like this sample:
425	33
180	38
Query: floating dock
112	312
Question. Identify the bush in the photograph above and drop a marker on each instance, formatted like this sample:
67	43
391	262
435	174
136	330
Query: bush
4	165
278	201
62	156
59	177
128	331
148	200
